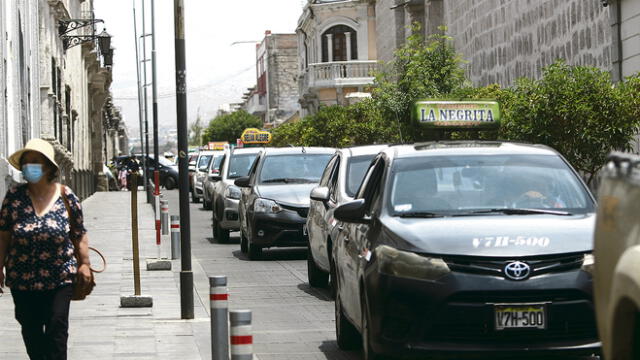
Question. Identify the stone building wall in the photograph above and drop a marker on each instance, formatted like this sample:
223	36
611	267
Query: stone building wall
282	74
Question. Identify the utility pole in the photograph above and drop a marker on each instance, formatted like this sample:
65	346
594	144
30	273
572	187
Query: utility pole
142	142
156	146
186	275
144	87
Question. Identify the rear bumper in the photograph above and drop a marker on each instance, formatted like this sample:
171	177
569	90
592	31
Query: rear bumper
456	314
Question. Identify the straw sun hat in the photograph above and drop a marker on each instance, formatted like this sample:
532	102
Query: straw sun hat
38	145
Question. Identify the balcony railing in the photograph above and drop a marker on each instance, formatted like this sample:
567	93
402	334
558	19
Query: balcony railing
338	74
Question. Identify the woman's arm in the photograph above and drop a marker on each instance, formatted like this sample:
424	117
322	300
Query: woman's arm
5	239
84	266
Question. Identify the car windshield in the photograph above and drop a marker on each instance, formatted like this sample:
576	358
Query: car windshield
356	170
240	165
294	168
204	161
215	164
480	184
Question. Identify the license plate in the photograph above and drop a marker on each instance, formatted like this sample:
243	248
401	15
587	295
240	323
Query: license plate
520	316
304	229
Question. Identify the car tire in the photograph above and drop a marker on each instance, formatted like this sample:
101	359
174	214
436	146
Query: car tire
194	198
206	204
220	234
255	252
367	351
347	335
333	286
317	277
244	246
170	183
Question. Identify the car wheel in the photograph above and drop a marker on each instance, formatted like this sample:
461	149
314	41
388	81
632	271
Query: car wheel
170	183
367	351
194	198
220	234
206	204
333	286
255	252
317	277
244	246
346	334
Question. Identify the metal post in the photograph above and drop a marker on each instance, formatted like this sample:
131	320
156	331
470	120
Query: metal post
154	92
146	113
219	296
134	233
186	275
241	339
164	216
175	237
140	115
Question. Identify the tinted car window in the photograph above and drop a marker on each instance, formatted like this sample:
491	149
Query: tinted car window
216	162
457	184
356	170
240	165
294	168
204	161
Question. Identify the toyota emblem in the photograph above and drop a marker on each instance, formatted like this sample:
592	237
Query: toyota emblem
517	270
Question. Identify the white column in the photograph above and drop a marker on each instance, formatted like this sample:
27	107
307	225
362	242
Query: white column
329	47
348	37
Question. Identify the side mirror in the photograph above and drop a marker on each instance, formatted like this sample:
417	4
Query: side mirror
320	193
242	182
352	212
215	177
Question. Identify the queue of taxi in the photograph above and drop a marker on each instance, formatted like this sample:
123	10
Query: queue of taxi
445	247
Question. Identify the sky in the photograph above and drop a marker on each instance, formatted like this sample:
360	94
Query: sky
217	71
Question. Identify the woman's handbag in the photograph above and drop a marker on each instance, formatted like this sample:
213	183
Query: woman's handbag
81	289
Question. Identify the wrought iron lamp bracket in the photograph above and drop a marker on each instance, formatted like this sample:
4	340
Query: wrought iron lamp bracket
69	25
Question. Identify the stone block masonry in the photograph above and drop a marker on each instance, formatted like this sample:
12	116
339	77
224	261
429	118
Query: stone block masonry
503	40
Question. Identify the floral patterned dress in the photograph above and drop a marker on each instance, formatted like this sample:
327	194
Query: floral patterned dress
41	255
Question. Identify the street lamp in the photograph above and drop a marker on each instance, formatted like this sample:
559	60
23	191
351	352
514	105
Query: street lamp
104	41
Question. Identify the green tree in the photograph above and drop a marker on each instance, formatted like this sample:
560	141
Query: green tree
195	133
229	127
576	110
422	68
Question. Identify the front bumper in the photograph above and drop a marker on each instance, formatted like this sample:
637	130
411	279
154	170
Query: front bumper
230	219
456	314
284	229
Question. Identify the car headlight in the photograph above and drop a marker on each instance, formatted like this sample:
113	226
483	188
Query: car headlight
587	263
399	263
266	206
232	192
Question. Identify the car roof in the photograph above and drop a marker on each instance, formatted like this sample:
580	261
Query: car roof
363	150
250	150
439	148
211	152
299	150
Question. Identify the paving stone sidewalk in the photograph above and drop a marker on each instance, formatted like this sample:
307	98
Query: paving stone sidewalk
100	328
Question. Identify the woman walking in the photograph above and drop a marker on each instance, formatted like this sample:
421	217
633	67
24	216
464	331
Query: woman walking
37	249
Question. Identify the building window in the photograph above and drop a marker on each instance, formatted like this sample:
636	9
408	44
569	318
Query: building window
339	43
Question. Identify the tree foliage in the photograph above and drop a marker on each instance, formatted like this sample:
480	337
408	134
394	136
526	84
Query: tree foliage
229	127
195	133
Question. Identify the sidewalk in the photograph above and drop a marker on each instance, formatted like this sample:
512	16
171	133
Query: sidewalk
99	327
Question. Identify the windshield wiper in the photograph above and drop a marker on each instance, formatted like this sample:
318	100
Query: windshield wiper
286	180
420	214
522	211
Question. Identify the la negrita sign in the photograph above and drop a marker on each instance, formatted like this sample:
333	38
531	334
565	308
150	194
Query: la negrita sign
458	114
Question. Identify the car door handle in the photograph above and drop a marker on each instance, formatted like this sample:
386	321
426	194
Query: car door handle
340	228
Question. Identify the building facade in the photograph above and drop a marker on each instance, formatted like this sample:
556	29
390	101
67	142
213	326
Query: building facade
337	52
54	90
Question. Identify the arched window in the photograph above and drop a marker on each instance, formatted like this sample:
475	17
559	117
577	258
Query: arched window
339	43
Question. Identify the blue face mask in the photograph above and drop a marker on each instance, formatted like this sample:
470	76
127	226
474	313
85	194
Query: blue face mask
32	172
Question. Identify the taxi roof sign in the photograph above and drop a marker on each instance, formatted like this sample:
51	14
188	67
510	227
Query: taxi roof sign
458	114
255	136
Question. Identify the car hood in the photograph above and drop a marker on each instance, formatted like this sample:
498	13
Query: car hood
287	194
499	236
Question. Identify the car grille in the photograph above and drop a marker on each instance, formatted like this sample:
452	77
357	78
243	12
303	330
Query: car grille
470	316
302	211
493	266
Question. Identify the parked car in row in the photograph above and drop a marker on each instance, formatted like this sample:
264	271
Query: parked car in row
221	192
202	165
466	247
210	177
617	258
338	184
275	197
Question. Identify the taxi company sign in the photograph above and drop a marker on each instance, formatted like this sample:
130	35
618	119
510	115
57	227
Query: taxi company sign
458	114
255	136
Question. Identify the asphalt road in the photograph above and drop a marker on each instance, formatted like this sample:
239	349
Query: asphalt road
291	320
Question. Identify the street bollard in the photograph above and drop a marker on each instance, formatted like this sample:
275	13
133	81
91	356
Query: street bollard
164	216
219	296
156	198
241	339
175	237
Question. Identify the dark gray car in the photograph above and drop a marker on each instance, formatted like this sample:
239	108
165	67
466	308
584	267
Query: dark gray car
275	197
